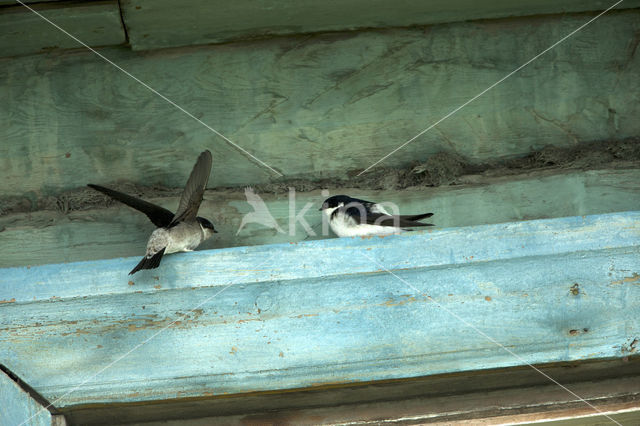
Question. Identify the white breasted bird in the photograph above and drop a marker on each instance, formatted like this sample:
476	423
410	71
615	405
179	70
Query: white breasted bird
351	217
182	231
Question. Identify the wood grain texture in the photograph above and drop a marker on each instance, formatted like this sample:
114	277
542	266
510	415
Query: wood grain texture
316	106
118	231
300	315
96	23
165	23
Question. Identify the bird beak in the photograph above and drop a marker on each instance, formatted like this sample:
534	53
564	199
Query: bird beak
215	232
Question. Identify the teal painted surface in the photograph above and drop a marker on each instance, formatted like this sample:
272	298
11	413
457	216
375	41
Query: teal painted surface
322	312
17	406
316	106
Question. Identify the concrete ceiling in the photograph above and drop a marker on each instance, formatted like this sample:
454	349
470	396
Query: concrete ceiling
153	24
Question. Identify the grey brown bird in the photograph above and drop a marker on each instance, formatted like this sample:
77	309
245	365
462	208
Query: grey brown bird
352	217
182	231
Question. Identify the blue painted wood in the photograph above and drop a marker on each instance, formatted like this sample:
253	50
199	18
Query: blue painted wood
321	312
17	406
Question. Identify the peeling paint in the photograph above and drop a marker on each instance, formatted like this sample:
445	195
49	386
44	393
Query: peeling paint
392	302
376	315
635	279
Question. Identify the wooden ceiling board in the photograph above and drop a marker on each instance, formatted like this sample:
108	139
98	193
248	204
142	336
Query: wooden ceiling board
155	24
94	23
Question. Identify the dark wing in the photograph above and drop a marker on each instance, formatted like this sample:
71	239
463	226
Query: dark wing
401	221
194	190
149	262
160	216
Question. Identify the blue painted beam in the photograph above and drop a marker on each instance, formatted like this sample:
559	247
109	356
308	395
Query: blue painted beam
298	315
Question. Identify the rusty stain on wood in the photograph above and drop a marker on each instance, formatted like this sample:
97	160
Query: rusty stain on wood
392	302
635	279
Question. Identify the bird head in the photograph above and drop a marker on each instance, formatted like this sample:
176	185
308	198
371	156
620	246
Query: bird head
207	226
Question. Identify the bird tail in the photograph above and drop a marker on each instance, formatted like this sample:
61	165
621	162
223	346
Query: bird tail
411	221
416	217
149	262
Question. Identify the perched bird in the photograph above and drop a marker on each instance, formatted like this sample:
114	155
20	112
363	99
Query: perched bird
182	231
351	217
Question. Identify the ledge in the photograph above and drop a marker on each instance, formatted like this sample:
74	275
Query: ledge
325	312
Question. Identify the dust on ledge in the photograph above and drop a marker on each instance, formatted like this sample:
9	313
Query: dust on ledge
443	168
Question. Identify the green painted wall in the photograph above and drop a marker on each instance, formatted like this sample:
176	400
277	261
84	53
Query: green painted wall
318	105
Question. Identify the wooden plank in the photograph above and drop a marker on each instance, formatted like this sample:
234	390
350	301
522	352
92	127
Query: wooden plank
20	406
52	237
316	107
164	23
486	397
96	23
322	312
29	2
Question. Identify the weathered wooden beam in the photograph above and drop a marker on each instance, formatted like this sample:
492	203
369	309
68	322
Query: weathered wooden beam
289	316
163	23
508	395
320	106
96	23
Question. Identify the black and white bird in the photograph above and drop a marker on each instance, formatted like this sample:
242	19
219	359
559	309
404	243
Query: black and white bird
182	231
351	217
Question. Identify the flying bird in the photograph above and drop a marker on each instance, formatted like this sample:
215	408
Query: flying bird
351	217
182	231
